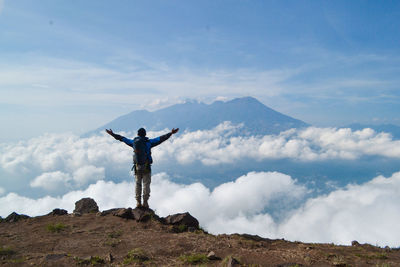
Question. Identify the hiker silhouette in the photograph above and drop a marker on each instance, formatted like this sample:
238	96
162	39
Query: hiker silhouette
142	160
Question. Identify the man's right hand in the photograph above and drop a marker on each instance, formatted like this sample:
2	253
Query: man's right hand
110	132
174	130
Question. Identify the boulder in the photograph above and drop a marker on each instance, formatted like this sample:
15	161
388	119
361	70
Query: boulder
124	213
14	217
58	212
108	212
212	257
143	214
86	205
182	219
137	214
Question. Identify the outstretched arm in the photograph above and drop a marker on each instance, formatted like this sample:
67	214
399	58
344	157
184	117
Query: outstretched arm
162	138
119	137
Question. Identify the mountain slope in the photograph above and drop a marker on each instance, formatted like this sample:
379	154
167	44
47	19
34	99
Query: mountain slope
256	117
105	240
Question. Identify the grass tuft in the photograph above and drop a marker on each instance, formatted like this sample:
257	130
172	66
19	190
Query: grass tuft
135	255
115	234
6	251
93	260
56	227
194	259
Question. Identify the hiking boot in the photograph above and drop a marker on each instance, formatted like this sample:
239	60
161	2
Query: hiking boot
145	205
138	204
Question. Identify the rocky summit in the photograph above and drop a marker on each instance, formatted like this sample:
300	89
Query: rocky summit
139	237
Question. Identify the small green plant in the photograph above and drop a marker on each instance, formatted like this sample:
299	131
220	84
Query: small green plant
93	260
19	260
194	258
6	251
378	256
338	260
201	231
180	228
112	243
135	255
115	234
56	228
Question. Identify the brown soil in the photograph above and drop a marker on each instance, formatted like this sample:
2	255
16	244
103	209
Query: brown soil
91	239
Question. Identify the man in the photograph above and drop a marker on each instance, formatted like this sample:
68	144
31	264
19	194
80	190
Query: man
142	160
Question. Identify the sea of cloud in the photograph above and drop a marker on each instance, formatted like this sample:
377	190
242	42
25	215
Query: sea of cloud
57	163
63	168
368	212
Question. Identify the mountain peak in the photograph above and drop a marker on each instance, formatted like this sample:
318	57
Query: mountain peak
256	118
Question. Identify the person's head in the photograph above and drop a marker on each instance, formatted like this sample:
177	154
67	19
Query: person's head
141	132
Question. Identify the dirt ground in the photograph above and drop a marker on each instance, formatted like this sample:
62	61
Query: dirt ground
91	239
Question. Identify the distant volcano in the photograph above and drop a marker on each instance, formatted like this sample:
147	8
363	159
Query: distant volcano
257	119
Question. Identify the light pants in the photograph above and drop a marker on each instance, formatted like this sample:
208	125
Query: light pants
145	178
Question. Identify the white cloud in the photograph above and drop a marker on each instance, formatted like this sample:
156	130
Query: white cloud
88	174
2	191
85	160
95	85
107	195
51	180
219	145
368	212
51	161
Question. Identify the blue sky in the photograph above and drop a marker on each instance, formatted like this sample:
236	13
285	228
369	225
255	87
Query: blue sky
74	65
68	66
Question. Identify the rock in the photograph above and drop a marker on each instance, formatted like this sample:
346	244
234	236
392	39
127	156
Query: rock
252	237
108	212
182	219
212	257
232	262
58	212
76	214
355	243
142	214
14	217
124	213
86	205
110	258
137	214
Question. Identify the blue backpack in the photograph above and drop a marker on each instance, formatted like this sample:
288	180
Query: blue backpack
140	156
